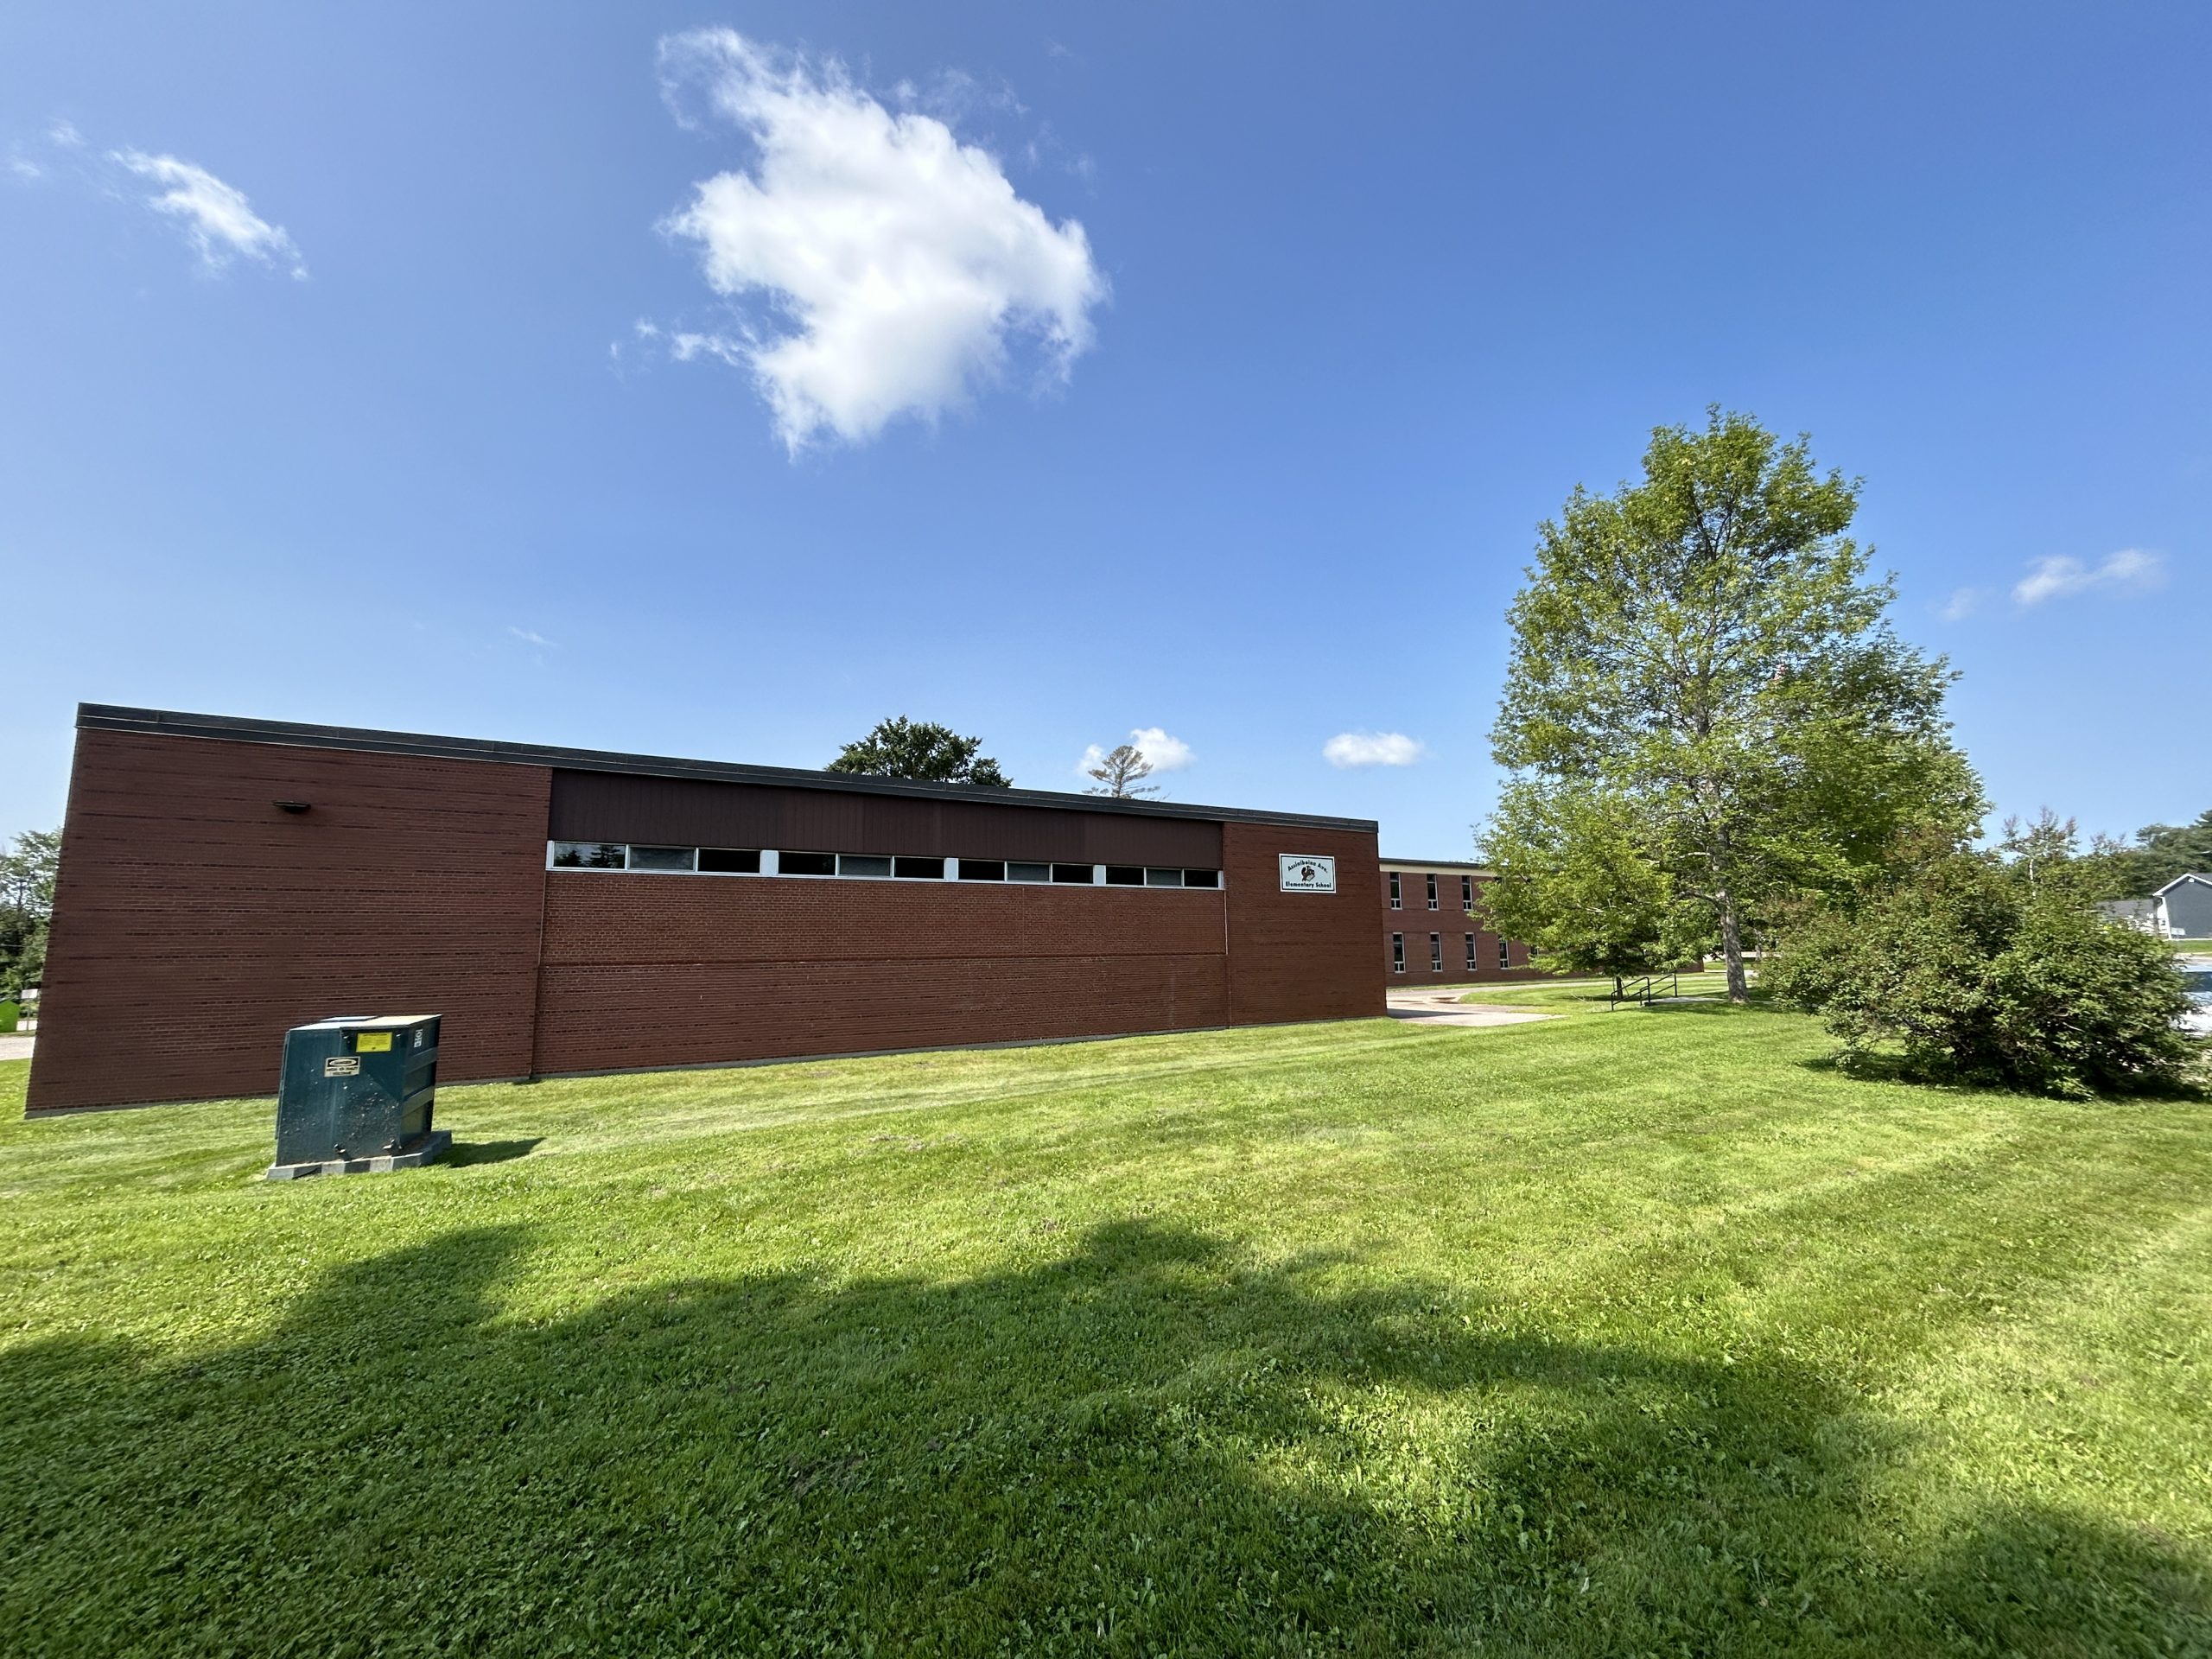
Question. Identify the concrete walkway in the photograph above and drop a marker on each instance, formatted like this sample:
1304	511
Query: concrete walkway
15	1046
1432	1008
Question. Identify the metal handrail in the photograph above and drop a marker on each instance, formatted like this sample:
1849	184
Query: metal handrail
1645	989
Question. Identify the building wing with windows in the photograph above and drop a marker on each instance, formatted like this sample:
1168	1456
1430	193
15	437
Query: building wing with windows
571	911
1434	930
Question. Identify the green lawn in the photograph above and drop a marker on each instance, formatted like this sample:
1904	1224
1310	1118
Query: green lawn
1641	1333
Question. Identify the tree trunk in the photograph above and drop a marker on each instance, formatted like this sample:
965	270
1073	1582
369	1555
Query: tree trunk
1732	950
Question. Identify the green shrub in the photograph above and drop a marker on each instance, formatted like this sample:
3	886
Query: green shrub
1973	974
10	1013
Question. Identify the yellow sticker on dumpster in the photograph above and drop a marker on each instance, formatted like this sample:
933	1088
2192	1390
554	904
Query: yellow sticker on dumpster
372	1042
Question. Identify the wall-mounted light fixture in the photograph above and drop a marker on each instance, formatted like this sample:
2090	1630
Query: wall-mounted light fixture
292	806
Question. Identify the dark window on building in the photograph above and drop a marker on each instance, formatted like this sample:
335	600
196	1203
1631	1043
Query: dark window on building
1472	967
1504	954
1466	892
1436	953
731	860
1394	890
1397	953
588	855
1432	892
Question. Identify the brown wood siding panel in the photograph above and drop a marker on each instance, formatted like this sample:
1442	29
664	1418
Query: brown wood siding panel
1298	956
195	923
616	917
1417	921
611	1017
686	812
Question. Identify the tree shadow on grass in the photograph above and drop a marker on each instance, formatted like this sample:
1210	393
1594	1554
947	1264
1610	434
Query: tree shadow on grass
1146	1446
1884	1066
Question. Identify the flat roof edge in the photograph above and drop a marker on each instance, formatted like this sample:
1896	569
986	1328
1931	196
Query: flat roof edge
167	722
1386	861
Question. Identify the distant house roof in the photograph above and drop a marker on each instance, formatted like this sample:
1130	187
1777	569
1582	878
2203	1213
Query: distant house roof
2124	910
2178	880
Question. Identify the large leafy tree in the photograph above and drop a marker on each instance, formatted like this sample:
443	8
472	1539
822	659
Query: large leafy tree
1579	887
1702	655
908	748
27	866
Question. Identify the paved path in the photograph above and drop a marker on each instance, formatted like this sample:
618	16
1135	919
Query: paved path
14	1046
1429	1007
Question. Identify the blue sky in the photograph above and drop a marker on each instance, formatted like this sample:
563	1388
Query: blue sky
518	372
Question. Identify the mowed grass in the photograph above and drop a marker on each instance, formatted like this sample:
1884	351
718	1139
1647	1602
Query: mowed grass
1646	1333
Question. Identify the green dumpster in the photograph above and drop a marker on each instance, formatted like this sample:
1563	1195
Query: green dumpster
356	1096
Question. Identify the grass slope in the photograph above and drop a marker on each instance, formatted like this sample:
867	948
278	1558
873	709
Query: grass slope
1635	1334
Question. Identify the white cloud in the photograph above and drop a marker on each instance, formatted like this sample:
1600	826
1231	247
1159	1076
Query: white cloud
216	218
897	266
723	348
527	637
2129	570
1372	749
1165	753
23	170
1961	604
64	135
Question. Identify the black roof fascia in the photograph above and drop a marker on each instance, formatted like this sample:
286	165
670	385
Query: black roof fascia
1432	864
164	722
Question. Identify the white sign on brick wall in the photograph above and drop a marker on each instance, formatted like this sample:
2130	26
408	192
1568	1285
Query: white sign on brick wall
1305	874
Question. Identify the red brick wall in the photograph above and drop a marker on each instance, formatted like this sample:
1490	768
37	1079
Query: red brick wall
1417	921
194	922
1298	956
643	970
